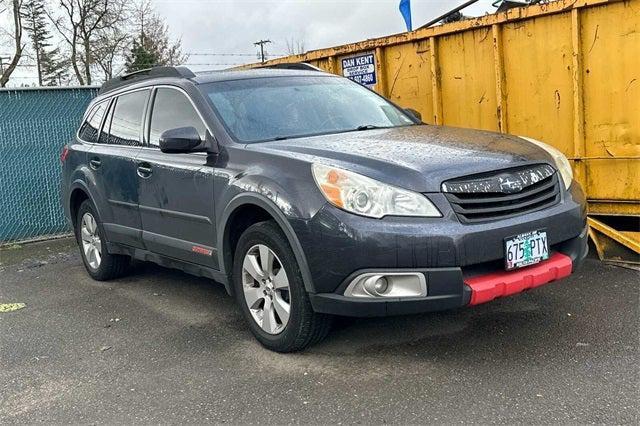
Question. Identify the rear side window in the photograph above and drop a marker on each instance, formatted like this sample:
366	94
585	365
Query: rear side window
91	126
172	109
124	123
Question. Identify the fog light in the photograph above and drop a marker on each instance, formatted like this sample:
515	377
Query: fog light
376	285
388	284
381	285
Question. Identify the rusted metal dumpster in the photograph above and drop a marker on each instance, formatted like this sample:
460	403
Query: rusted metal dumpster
566	72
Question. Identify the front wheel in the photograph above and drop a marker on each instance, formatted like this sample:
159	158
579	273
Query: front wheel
271	294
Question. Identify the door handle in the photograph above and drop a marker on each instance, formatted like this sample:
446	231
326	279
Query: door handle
95	163
144	170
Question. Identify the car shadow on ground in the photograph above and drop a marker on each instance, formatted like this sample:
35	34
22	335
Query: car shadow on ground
525	323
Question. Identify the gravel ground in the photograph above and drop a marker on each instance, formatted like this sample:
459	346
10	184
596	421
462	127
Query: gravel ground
160	346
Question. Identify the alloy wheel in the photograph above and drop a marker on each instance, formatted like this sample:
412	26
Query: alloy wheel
266	289
91	243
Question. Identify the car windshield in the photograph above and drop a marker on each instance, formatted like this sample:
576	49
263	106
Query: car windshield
263	109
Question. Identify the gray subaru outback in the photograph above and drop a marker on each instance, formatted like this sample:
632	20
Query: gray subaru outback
308	196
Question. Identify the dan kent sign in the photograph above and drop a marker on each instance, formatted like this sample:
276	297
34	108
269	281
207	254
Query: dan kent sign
361	69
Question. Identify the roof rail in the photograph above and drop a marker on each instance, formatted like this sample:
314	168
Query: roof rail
303	66
146	74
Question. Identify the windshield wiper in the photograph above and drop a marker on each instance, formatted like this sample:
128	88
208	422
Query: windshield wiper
363	127
357	129
370	127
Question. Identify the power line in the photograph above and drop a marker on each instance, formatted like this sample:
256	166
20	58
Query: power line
229	54
153	65
207	54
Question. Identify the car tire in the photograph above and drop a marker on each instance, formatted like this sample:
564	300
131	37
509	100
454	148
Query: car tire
262	297
100	264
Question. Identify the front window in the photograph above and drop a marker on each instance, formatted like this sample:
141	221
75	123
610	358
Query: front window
172	109
263	109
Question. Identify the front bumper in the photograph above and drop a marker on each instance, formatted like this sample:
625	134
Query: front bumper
339	246
456	287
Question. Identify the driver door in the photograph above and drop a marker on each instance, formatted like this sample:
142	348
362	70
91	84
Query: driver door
176	190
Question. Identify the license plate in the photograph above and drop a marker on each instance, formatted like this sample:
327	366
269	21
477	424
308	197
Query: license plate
525	249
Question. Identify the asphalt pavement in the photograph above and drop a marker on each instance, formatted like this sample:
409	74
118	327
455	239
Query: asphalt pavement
160	346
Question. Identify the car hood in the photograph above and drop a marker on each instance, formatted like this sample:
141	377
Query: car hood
418	157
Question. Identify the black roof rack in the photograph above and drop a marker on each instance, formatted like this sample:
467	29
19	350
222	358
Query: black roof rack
146	74
303	66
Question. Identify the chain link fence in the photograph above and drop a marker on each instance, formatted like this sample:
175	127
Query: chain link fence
34	126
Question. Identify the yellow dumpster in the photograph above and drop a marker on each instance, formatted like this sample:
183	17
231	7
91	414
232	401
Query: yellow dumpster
565	72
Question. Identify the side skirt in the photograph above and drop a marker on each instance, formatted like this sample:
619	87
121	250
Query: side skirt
169	262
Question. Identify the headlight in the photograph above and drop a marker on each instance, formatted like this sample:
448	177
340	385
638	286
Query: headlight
562	164
368	197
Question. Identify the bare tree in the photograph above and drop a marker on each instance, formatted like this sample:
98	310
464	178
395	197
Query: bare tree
112	44
152	26
4	32
82	24
295	46
5	74
151	45
69	32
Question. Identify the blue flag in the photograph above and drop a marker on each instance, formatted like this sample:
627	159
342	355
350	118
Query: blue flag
405	10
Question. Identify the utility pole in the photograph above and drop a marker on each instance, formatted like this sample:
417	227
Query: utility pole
261	43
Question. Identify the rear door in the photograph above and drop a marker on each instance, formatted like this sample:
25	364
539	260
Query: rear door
114	165
87	137
176	190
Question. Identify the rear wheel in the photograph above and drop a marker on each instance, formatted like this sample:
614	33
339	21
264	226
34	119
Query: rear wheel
271	294
90	236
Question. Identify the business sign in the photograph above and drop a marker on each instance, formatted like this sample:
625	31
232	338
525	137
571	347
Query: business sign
361	69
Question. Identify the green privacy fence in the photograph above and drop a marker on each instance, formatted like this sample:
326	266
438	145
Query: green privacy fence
35	124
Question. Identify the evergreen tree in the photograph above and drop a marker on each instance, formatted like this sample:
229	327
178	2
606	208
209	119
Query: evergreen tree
143	55
33	15
50	68
55	71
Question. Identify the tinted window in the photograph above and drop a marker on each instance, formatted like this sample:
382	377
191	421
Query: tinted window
89	129
172	109
262	109
124	123
104	135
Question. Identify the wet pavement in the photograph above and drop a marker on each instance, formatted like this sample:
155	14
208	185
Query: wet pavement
163	346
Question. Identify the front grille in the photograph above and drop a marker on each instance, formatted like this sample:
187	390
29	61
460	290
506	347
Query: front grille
503	194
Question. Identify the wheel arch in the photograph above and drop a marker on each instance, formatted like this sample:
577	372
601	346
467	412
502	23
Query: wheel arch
79	192
263	209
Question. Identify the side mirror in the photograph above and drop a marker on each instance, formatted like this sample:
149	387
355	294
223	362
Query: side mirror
181	140
414	114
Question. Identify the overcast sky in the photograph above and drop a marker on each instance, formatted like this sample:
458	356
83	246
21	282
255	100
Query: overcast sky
232	26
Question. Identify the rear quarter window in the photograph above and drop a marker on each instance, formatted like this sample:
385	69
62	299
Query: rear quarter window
91	126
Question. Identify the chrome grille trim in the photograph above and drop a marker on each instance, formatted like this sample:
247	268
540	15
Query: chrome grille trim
484	198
